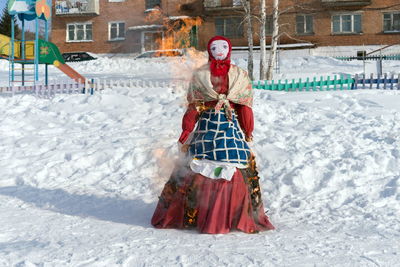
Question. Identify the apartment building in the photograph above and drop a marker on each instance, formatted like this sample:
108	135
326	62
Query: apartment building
131	26
341	22
122	26
321	22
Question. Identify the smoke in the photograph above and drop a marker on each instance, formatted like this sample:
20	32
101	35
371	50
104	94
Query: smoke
169	160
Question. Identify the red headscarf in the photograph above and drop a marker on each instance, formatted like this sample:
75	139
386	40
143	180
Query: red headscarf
219	67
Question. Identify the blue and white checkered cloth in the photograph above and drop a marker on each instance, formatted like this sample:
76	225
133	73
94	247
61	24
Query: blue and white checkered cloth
216	138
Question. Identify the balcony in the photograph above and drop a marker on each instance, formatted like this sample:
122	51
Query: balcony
220	5
77	7
345	3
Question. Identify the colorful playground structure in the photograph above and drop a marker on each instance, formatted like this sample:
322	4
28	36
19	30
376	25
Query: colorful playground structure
26	55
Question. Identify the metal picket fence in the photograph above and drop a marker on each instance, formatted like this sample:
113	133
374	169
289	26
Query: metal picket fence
53	88
341	82
374	57
328	83
89	86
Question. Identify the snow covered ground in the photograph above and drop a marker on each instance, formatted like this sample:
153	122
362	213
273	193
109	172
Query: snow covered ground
80	175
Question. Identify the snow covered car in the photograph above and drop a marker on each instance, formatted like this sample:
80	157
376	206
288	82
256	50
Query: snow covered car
161	54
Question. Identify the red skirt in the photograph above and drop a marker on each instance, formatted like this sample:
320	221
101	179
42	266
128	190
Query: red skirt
213	206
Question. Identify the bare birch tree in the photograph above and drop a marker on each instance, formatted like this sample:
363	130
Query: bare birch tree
274	40
247	9
263	52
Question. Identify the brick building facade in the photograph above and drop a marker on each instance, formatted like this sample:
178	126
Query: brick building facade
342	22
131	26
118	26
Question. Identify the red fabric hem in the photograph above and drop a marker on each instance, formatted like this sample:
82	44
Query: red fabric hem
221	206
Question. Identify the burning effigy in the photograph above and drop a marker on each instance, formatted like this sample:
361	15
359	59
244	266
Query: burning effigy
215	186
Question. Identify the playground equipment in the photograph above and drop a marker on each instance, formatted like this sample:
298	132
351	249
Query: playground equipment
32	52
373	62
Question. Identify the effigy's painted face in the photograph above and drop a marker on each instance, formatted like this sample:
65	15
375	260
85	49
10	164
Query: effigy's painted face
219	49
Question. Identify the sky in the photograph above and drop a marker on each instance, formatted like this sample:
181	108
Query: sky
2	5
29	25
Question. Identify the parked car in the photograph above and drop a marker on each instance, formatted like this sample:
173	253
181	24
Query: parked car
161	54
77	56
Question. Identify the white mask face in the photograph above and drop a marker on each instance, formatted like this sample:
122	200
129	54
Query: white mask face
219	49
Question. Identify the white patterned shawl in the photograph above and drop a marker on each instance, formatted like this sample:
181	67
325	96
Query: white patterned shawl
239	92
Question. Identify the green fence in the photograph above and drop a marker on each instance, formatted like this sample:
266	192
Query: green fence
375	57
341	82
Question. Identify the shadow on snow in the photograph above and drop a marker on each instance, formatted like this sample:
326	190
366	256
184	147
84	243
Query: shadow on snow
113	209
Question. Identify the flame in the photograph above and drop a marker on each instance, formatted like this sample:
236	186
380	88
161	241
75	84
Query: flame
177	30
177	35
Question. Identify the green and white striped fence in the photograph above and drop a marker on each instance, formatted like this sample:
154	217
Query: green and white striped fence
375	57
337	82
328	83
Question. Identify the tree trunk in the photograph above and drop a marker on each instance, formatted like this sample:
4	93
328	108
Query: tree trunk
247	9
274	41
263	52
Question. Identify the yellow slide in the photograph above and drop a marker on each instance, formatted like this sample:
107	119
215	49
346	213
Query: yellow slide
5	48
49	54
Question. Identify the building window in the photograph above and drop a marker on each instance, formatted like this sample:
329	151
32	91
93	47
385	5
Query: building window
229	27
236	3
391	22
151	41
116	31
79	32
269	25
304	24
153	3
215	3
346	23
